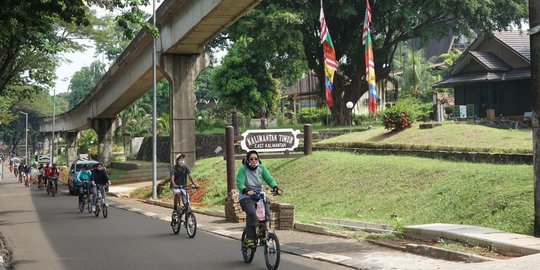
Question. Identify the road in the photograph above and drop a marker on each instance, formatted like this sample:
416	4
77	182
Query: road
49	233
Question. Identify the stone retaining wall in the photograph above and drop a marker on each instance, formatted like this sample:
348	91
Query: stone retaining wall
448	155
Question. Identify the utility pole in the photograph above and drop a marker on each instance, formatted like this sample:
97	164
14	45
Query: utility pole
534	32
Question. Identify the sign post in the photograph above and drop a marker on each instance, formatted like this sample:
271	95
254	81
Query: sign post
270	140
264	141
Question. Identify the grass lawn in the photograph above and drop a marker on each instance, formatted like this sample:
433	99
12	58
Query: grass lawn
460	137
372	188
417	190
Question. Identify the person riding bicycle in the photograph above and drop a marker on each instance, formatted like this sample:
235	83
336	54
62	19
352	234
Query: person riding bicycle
27	169
46	174
99	180
40	175
179	174
82	182
249	179
21	169
53	176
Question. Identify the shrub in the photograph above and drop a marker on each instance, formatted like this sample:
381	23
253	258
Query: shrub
396	119
402	114
312	115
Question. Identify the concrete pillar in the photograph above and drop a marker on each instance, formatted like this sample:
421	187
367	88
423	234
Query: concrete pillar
47	139
182	70
71	146
104	130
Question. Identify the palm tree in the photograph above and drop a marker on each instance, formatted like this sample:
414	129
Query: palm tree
164	125
134	122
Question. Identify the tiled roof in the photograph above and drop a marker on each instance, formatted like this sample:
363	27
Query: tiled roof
490	61
514	74
517	40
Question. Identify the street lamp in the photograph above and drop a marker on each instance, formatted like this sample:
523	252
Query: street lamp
25	137
349	106
154	108
53	122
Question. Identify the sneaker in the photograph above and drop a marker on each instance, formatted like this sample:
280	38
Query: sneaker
106	204
249	243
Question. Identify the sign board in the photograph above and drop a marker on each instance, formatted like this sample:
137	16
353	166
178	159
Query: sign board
270	140
462	111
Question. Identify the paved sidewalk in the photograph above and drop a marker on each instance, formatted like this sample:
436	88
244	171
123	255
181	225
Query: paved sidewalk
358	254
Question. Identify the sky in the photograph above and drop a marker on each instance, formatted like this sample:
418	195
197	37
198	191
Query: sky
66	70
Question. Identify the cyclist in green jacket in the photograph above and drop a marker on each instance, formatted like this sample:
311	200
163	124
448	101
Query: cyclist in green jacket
249	180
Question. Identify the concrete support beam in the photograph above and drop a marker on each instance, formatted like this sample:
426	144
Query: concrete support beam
182	70
47	140
71	149
104	130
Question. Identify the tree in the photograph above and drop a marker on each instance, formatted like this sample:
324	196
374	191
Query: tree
204	91
32	33
35	32
393	23
109	36
162	98
244	81
417	76
83	81
135	122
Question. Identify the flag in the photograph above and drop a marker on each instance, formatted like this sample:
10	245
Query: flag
367	21
368	55
330	63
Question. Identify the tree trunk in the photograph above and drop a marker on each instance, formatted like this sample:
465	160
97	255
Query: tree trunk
345	91
534	20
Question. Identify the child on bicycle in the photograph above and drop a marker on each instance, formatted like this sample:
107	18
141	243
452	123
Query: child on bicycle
250	178
82	181
179	174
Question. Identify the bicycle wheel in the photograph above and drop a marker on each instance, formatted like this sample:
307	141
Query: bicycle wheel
272	251
175	223
98	206
89	207
247	253
191	224
105	211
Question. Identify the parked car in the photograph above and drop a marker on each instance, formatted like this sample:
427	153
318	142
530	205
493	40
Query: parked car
43	159
74	170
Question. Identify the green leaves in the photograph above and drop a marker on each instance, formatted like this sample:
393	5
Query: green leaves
83	81
244	82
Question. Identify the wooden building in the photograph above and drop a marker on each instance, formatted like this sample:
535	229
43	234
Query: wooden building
493	75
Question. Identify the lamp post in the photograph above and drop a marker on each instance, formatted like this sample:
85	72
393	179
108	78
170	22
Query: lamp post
349	106
25	137
53	122
154	109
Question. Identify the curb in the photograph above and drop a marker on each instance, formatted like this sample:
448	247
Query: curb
445	254
418	249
